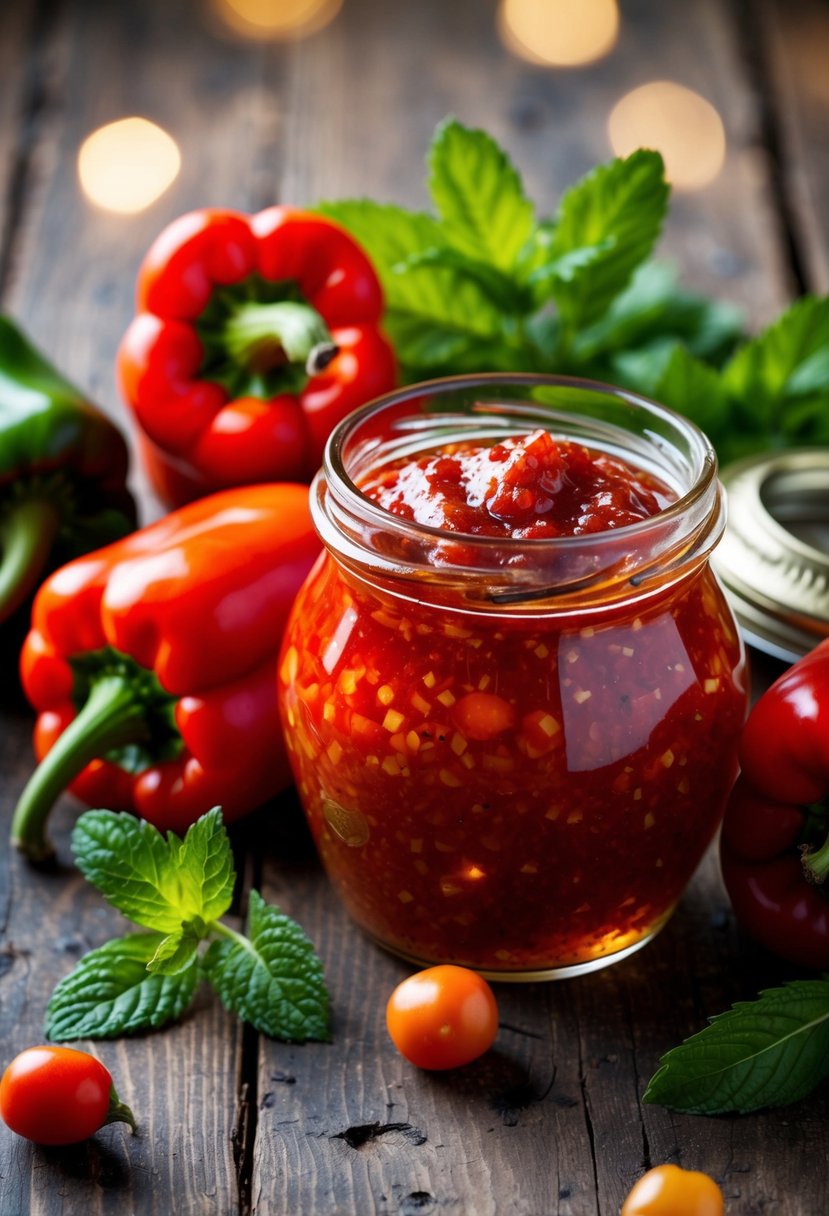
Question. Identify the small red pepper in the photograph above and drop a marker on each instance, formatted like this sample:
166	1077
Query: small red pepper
152	664
775	842
254	336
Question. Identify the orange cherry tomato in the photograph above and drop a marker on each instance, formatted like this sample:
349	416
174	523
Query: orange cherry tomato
442	1017
668	1190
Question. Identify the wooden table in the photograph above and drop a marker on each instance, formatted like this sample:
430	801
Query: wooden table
550	1121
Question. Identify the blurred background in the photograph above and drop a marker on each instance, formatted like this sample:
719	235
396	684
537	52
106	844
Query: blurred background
118	115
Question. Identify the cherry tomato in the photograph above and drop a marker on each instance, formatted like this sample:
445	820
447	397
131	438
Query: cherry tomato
442	1017
57	1095
669	1190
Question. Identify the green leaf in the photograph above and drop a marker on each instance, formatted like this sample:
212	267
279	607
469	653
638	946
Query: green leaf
653	306
130	863
501	289
767	1052
205	866
274	979
111	993
479	195
390	236
157	883
606	225
694	389
434	313
785	368
443	309
177	951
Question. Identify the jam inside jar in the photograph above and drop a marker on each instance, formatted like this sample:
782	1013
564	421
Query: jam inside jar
512	687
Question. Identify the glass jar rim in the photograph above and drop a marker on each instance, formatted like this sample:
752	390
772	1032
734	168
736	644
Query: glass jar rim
691	524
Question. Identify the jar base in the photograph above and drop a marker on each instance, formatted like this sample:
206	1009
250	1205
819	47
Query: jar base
566	971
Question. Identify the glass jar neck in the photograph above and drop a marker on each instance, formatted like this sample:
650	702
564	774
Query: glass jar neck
520	575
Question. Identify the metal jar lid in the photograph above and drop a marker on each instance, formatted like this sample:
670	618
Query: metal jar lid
774	557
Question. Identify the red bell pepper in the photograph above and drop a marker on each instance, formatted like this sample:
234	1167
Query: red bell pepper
152	664
774	846
254	336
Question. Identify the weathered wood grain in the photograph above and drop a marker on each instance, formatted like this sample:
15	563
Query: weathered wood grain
362	100
794	41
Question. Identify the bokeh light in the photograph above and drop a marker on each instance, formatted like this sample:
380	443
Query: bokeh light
277	19
126	165
559	33
677	122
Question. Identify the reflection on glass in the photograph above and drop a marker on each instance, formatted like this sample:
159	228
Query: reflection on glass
677	122
634	677
127	165
278	19
560	33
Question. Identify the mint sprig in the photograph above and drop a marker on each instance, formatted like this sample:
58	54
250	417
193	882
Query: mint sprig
178	888
767	1052
482	284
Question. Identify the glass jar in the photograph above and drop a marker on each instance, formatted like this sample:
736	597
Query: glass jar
513	753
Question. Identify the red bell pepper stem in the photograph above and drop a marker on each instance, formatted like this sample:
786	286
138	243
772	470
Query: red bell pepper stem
816	863
265	336
26	536
113	716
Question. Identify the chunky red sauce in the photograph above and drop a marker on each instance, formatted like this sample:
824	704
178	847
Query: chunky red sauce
528	487
515	793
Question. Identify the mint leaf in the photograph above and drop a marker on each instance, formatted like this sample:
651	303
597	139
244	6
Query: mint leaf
435	314
606	225
498	286
390	236
177	951
695	390
654	306
157	883
204	863
767	1052
274	979
782	377
130	863
478	195
444	316
110	992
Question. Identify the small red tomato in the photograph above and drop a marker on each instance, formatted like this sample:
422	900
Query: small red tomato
442	1017
57	1095
669	1190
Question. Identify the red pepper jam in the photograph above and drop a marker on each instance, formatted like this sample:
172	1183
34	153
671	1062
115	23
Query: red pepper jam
519	793
523	488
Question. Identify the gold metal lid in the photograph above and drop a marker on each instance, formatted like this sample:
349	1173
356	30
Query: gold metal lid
774	557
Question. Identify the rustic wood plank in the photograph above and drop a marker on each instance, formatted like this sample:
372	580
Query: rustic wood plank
351	132
795	46
22	46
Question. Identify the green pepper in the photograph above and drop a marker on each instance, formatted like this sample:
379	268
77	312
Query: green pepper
63	469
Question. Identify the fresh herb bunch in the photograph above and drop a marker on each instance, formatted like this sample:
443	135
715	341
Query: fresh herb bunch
767	1052
483	285
178	889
